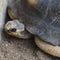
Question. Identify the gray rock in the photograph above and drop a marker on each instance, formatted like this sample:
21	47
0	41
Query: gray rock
3	6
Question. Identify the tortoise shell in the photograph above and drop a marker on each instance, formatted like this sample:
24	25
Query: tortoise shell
41	19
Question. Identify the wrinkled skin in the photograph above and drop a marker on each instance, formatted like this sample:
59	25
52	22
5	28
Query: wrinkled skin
42	19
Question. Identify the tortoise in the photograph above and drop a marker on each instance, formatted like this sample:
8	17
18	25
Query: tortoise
40	18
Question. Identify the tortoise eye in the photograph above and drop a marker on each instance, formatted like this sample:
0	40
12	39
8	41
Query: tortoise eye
12	30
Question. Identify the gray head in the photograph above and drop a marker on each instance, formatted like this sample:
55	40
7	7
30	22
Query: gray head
17	29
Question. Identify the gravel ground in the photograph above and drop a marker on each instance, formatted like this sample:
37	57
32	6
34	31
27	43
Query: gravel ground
12	48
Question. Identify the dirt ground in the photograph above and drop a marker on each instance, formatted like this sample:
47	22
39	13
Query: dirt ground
12	48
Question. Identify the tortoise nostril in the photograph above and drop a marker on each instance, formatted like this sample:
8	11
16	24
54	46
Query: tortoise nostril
12	30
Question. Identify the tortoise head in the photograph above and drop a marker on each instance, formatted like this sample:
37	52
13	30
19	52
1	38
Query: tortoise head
17	29
14	28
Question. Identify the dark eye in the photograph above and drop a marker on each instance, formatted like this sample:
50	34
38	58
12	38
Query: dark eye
12	30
